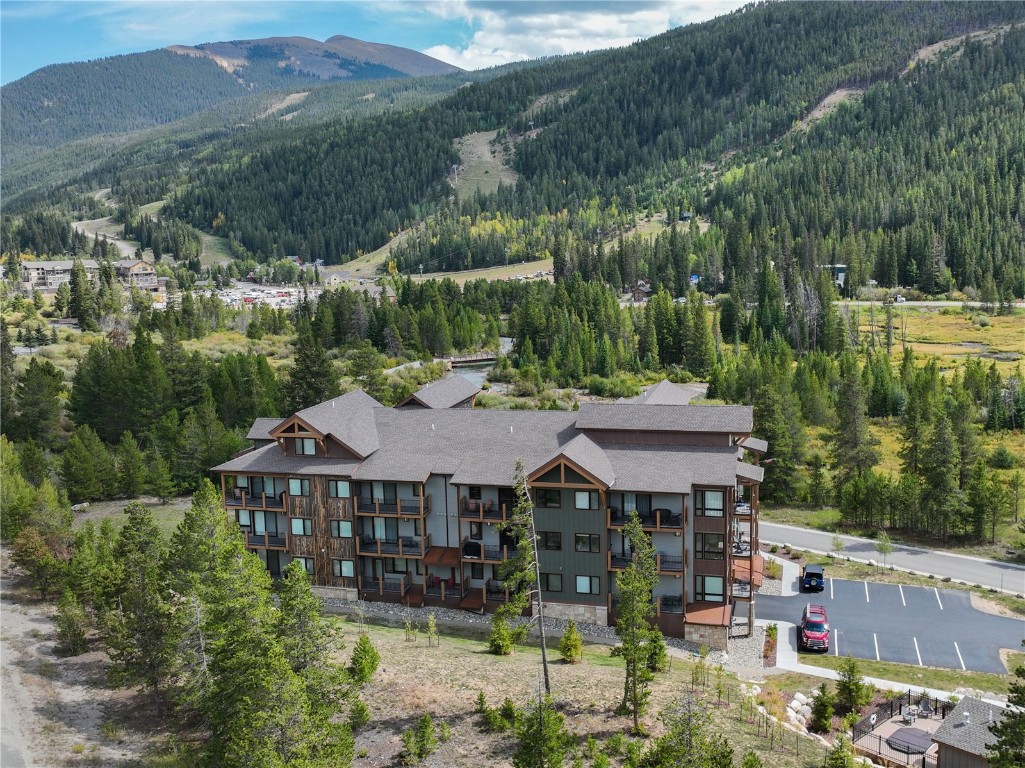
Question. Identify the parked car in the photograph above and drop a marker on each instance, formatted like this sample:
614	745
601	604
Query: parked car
813	578
898	299
813	634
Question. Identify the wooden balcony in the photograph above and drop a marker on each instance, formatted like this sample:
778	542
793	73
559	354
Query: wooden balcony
415	507
392	587
487	510
655	520
405	546
665	563
478	552
265	540
240	498
444	588
495	591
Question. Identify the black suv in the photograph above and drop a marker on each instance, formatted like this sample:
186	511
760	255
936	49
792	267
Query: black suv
813	579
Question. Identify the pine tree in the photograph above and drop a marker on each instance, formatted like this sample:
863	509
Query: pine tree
571	645
8	378
72	625
840	756
634	587
543	739
364	661
139	629
83	304
942	499
311	378
852	446
851	691
131	467
158	478
822	710
38	397
1008	748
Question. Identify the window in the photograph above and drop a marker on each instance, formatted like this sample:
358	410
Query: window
586	499
305	446
297	487
338	489
345	569
709	589
341	529
636	501
708	503
588	585
242	481
243	517
477	571
395	565
708	546
548	497
307	563
476	531
475	492
551	582
302	526
587	542
549	540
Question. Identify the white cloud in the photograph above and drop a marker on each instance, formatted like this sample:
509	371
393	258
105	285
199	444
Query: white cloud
139	23
505	31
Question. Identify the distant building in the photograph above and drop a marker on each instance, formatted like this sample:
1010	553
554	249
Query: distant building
135	273
643	291
47	276
453	392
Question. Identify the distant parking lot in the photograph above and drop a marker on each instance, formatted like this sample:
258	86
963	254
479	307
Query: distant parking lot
921	626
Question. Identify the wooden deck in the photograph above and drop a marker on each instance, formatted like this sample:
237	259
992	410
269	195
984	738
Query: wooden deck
755	572
712	615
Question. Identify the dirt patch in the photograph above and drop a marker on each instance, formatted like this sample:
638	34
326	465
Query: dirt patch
827	106
289	101
931	52
986	605
55	709
107	226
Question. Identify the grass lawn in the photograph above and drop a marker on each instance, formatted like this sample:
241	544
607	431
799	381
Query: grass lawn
926	677
166	516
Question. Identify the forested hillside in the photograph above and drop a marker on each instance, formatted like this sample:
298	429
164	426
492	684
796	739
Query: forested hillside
634	125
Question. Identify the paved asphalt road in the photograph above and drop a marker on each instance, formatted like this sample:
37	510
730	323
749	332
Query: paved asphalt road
922	626
973	570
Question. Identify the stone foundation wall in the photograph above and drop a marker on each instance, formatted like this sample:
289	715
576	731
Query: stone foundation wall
713	637
587	614
336	593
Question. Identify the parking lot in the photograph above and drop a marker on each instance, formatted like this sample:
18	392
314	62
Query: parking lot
921	626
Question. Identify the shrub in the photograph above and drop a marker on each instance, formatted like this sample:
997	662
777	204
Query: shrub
481	704
419	742
71	625
364	661
1002	458
773	569
571	646
359	715
494	722
658	655
774	548
508	711
822	710
501	642
851	691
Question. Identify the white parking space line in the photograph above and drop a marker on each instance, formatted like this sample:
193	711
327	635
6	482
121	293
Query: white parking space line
938	597
959	656
876	641
916	651
904	603
836	642
830	587
866	592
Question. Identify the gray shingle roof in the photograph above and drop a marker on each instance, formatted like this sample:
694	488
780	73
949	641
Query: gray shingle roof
747	471
973	736
587	455
663	393
755	444
444	393
270	460
261	428
670	468
349	419
653	418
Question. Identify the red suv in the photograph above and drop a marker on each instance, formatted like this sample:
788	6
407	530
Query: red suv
813	634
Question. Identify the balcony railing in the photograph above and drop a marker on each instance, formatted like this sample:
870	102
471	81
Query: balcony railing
415	507
741	588
243	499
486	509
495	591
443	588
742	508
406	546
665	563
670	604
388	585
655	519
475	550
267	540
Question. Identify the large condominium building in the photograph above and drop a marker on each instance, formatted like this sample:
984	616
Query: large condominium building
409	504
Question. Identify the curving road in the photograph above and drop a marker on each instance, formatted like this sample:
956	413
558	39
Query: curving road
972	570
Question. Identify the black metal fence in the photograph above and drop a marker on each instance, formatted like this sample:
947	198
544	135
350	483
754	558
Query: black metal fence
865	740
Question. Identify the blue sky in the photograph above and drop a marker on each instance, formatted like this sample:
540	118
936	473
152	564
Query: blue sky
468	33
